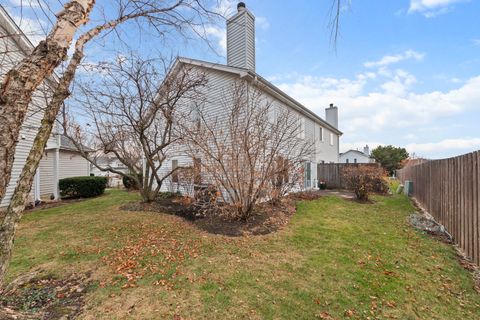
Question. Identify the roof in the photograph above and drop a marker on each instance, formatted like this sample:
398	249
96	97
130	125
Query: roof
67	144
7	22
356	151
275	91
11	27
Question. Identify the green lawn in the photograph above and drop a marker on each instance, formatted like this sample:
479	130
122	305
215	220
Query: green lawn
336	258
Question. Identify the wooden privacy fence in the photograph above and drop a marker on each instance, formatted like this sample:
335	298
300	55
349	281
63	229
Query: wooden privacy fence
449	190
332	173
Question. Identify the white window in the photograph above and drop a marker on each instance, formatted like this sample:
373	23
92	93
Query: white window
320	134
332	141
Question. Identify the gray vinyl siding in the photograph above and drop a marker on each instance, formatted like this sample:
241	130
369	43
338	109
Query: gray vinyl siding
10	54
72	165
241	41
47	177
218	93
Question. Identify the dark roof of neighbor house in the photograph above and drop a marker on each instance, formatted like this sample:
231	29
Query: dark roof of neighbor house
67	144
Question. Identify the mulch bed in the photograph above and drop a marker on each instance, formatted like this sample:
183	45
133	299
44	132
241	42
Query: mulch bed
32	297
266	218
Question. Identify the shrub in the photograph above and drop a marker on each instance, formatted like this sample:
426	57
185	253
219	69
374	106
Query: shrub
82	187
130	183
365	179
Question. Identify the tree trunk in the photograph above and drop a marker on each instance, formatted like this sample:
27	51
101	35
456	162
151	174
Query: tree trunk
20	195
17	204
19	84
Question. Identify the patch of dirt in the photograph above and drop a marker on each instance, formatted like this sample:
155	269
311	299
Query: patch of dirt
266	218
307	195
51	204
31	297
345	194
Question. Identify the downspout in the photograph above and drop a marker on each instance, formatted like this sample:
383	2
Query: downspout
37	186
56	168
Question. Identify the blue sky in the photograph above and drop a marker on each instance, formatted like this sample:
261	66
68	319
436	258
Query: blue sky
404	72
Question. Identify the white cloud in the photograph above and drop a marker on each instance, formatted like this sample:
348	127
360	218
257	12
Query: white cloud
262	23
225	8
384	104
359	145
219	35
476	42
391	59
451	145
432	8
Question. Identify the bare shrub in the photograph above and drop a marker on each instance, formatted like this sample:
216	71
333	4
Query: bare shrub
128	116
250	152
364	180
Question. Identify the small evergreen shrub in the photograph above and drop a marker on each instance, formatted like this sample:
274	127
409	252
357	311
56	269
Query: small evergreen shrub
82	187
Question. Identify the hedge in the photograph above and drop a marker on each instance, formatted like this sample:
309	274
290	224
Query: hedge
82	187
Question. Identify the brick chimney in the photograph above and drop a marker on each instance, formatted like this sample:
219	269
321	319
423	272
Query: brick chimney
241	39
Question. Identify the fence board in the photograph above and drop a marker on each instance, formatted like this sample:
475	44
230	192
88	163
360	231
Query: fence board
449	189
332	173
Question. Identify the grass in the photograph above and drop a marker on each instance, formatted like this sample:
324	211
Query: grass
336	258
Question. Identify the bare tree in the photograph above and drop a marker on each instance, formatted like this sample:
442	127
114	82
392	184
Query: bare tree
254	152
132	109
19	84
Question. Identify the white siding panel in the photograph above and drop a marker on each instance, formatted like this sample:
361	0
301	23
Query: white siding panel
72	165
10	55
47	174
218	93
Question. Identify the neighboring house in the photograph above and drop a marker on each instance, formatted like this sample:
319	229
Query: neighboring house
241	66
355	156
105	161
60	159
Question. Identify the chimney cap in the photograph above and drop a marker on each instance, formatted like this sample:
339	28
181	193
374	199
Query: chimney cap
241	5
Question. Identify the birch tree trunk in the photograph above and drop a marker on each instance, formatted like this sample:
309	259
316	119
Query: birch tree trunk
17	204
19	84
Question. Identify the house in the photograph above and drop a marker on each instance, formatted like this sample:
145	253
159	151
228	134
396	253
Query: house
241	66
109	161
356	156
60	160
